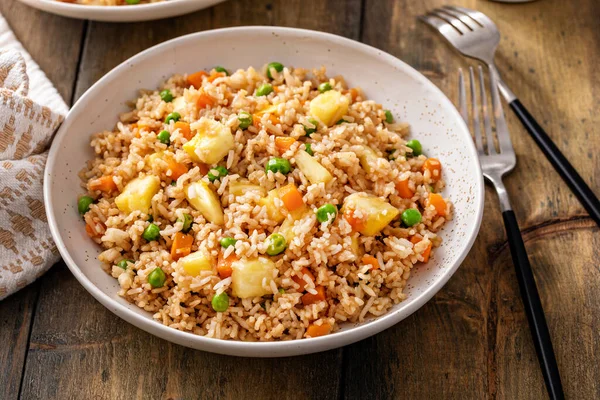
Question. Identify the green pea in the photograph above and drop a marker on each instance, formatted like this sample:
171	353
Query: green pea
277	164
187	222
123	263
173	183
174	116
245	119
276	244
164	137
431	189
276	66
415	145
217	172
310	131
326	212
83	204
325	87
227	241
166	96
308	149
221	69
264	90
281	290
132	1
152	232
220	303
157	278
411	217
389	118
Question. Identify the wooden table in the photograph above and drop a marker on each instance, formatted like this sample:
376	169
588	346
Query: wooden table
470	341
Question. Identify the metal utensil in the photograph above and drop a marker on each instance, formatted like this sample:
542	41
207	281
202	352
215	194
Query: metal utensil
475	35
495	162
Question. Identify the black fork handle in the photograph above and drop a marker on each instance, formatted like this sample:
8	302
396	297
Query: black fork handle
568	173
533	307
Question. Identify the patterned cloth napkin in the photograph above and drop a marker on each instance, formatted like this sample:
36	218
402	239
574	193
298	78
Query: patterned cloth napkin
30	112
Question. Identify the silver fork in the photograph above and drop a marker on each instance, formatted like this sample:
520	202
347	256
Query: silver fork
475	35
495	162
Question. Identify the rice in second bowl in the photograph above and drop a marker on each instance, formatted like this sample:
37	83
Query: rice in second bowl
255	241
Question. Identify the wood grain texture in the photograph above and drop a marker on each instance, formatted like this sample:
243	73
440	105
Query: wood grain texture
472	340
82	340
16	315
58	59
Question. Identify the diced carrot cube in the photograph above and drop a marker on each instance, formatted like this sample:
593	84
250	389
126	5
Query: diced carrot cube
434	166
368	259
300	280
182	245
283	143
177	169
184	128
357	224
224	265
195	79
291	197
314	330
404	190
310	298
437	201
105	184
204	101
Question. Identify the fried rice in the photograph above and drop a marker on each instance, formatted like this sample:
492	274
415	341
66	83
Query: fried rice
351	266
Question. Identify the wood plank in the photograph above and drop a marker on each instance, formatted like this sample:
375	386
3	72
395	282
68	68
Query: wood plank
58	61
472	340
79	339
568	278
16	315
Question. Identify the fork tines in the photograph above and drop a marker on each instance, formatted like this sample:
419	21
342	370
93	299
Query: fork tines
479	108
460	18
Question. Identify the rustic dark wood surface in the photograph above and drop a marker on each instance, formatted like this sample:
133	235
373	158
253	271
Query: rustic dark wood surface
471	341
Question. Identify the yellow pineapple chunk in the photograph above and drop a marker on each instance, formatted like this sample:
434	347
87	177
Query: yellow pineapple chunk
311	168
270	110
211	143
376	213
248	275
287	228
155	157
205	200
179	104
329	107
354	246
239	188
195	262
137	195
273	208
368	159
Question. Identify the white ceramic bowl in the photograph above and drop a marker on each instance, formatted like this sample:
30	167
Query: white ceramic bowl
409	95
138	12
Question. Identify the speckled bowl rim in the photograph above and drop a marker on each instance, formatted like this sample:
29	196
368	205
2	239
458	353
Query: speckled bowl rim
278	348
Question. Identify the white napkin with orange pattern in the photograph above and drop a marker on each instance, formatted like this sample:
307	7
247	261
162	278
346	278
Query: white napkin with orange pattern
30	112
